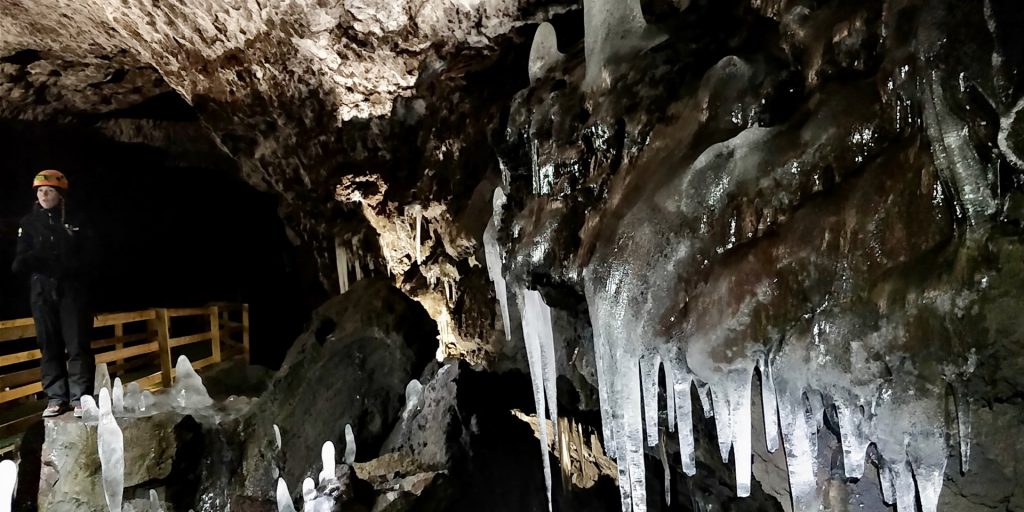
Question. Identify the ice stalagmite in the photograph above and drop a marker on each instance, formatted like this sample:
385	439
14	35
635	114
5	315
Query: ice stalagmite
8	483
277	438
102	379
308	492
544	52
117	397
110	444
538	337
90	411
188	389
284	498
132	397
350	446
154	501
492	253
327	459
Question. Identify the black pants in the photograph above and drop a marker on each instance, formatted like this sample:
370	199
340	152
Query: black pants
63	324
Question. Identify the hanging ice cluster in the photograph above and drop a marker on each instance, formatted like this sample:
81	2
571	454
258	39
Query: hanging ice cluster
348	261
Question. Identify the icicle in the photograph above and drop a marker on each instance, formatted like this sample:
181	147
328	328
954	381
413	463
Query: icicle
277	438
341	255
723	423
684	419
800	454
963	421
739	416
906	495
704	393
110	445
670	393
350	445
855	444
667	471
887	483
632	443
327	458
649	365
769	406
492	255
8	483
533	326
419	223
284	498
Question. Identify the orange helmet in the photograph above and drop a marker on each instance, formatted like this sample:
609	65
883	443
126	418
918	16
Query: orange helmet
50	178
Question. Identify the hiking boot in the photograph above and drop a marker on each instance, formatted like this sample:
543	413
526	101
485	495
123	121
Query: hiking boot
55	409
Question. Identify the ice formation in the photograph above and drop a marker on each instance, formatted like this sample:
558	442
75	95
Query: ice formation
544	53
612	28
188	390
133	397
154	501
90	411
540	351
102	379
284	498
419	239
308	492
277	438
341	257
327	458
110	444
350	446
493	255
8	483
413	391
117	397
146	401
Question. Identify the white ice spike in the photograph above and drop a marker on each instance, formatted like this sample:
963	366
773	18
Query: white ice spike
8	483
536	332
350	445
110	444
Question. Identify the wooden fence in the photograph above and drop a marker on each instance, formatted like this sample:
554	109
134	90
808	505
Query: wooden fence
131	344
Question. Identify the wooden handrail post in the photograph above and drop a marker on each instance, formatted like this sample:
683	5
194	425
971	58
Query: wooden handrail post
119	332
163	336
215	332
245	331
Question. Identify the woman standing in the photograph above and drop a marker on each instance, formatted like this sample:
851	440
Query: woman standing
56	251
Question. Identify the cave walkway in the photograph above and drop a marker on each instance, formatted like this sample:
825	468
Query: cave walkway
137	346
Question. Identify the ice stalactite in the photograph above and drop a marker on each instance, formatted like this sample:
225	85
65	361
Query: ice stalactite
110	445
963	421
8	483
770	410
544	52
682	383
801	462
419	234
539	339
493	255
341	256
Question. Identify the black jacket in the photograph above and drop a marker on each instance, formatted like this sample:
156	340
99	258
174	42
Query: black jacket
62	251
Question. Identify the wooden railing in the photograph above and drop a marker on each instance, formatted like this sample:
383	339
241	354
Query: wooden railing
131	344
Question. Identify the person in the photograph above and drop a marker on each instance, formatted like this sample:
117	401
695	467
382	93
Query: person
56	250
